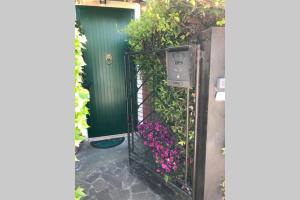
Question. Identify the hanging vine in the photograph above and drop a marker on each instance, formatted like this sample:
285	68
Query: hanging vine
82	97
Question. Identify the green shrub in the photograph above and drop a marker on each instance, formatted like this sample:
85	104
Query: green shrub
171	23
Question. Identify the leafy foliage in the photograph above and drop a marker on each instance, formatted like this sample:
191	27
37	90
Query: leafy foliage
79	193
171	23
82	96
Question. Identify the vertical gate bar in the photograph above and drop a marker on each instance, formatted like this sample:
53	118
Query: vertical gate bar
153	106
202	93
187	136
135	99
130	99
133	66
195	182
131	106
127	109
154	91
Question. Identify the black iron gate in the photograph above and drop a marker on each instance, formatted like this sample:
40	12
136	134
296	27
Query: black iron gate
169	127
157	123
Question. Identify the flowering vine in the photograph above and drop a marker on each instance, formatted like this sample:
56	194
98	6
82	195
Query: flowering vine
158	138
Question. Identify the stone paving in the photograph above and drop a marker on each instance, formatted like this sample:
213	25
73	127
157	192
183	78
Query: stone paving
105	175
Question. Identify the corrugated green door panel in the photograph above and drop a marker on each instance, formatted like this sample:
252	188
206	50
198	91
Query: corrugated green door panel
106	82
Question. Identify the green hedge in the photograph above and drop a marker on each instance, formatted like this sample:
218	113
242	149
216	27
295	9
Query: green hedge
168	23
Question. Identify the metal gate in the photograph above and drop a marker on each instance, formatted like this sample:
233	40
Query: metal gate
160	123
190	122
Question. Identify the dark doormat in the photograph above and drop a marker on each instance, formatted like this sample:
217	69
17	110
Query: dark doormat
104	144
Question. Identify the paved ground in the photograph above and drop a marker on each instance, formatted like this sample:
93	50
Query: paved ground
104	174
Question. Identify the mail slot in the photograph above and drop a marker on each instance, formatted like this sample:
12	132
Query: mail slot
180	63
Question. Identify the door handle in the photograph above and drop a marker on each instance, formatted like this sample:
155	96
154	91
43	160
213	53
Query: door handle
108	58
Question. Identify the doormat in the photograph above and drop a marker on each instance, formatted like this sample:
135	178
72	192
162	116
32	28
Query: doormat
104	144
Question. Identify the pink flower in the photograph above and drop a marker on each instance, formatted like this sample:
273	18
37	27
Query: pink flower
168	170
160	142
150	136
166	153
158	147
157	126
164	166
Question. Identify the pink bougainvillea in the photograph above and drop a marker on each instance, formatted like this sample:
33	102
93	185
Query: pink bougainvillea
158	138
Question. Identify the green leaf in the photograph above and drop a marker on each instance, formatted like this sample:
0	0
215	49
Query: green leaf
166	178
220	22
193	2
79	193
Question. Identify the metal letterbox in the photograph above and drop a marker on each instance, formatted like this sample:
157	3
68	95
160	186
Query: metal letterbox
180	63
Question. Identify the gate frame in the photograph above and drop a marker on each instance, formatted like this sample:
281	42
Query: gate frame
203	84
183	194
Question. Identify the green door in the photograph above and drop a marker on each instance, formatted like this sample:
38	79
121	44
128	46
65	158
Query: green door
105	70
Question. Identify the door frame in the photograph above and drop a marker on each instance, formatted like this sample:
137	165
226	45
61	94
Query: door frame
111	4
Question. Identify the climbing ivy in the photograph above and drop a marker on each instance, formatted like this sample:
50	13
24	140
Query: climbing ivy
82	97
168	23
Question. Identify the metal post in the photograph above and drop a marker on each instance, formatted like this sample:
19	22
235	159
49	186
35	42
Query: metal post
127	109
187	136
196	120
202	92
130	96
153	117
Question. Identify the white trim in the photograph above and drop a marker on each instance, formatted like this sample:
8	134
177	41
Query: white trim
140	97
137	11
112	4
